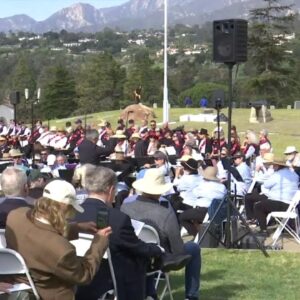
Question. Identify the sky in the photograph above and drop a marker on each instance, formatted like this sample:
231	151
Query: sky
42	9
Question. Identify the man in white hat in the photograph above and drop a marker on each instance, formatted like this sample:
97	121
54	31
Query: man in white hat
277	192
147	208
292	156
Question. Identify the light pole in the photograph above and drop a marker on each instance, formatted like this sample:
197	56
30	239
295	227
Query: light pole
34	100
165	99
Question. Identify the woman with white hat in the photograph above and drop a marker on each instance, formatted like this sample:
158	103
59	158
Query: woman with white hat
38	234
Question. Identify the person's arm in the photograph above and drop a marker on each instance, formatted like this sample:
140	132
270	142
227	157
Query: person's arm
271	182
4	287
127	240
77	270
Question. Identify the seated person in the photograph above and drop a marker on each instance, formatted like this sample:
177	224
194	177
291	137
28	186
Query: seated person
146	208
277	192
54	265
15	189
241	186
130	256
186	179
209	188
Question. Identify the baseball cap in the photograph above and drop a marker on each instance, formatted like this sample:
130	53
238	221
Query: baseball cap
63	192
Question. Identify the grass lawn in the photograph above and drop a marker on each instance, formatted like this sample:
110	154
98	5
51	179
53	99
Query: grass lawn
284	129
242	274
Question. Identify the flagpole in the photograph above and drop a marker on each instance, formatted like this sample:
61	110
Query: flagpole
165	99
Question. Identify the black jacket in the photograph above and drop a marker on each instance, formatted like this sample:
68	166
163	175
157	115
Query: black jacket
7	206
129	254
90	153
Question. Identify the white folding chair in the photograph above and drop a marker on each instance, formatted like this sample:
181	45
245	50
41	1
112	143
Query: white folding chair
12	263
148	234
2	238
82	245
283	217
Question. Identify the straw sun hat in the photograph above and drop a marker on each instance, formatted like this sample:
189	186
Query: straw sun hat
119	135
152	183
210	173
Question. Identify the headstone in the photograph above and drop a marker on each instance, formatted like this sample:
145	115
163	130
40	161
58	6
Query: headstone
154	105
289	107
233	104
297	105
272	107
260	114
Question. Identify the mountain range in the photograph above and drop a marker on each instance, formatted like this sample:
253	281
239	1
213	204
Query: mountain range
134	14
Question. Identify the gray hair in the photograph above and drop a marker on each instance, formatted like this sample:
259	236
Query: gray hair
99	179
13	182
92	135
264	132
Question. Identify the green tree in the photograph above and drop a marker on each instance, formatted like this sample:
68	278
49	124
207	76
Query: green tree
59	97
23	77
142	72
269	51
100	84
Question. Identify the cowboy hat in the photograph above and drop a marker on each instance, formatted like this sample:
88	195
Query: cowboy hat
119	135
268	158
15	153
210	173
279	162
102	123
135	135
290	150
152	183
191	164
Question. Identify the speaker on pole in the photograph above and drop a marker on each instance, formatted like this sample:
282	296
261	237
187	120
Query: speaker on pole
14	98
230	41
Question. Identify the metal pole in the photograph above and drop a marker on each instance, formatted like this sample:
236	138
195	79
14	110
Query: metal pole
165	100
228	235
15	114
32	128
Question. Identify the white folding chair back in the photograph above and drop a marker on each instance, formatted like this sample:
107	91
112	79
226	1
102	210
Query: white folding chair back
148	234
82	245
11	263
283	217
2	238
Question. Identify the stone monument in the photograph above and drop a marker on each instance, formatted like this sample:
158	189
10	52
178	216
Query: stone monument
259	113
137	111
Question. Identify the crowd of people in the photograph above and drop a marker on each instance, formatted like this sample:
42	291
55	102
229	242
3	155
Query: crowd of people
55	180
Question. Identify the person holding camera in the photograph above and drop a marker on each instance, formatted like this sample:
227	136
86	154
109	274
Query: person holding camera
130	256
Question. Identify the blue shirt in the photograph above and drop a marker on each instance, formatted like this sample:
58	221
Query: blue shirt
282	185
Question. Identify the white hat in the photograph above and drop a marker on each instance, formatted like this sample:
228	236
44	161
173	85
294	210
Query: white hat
63	192
51	159
290	149
152	183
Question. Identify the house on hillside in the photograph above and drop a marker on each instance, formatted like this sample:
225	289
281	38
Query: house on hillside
6	113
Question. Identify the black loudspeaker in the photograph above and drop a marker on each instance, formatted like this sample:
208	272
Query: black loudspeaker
230	41
14	98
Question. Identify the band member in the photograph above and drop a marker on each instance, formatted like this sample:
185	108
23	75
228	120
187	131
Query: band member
76	136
